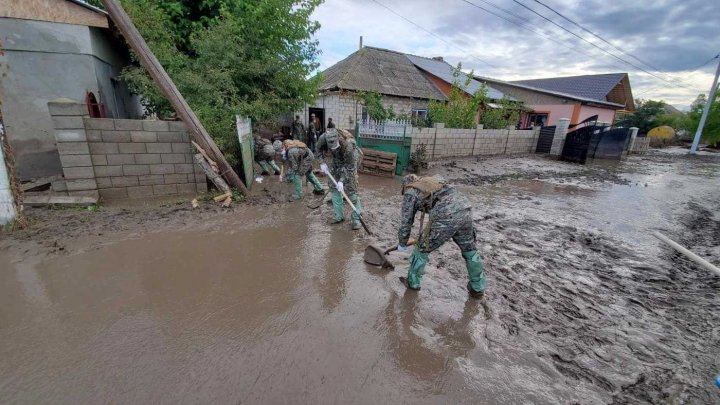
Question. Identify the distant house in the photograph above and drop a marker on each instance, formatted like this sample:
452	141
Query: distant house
573	97
56	49
406	82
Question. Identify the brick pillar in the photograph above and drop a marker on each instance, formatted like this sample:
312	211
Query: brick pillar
561	130
72	144
633	136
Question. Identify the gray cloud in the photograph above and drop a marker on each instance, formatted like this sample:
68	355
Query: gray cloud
671	36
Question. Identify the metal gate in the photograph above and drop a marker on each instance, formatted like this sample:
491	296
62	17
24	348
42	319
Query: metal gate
247	149
387	136
594	142
545	140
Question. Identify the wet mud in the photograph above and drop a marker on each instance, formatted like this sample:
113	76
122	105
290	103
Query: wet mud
267	303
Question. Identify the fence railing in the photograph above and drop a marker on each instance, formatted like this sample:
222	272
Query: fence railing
388	129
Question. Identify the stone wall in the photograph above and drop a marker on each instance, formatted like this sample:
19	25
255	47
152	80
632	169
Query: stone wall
119	159
444	142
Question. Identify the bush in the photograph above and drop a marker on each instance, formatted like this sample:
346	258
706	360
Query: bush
419	159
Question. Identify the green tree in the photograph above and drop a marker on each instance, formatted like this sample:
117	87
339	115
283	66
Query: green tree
372	100
228	57
461	110
646	114
711	131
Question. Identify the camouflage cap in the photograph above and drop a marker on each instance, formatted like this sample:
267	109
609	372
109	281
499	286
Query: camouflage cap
277	145
410	178
332	138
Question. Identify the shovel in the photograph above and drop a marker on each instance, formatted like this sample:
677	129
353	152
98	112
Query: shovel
376	256
330	176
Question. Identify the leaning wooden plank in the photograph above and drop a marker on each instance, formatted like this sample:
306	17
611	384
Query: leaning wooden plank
157	72
210	173
205	155
45	199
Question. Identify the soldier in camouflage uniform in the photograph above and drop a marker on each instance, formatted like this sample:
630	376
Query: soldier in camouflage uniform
298	130
450	217
299	167
265	155
346	159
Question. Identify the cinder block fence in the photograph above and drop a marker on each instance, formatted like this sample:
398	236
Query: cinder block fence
444	142
120	159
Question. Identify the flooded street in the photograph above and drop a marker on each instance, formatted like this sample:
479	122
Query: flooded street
270	304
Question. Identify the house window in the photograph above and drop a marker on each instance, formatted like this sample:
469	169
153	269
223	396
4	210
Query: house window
539	120
420	113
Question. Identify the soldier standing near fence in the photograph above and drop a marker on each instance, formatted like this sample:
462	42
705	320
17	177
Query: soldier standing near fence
450	218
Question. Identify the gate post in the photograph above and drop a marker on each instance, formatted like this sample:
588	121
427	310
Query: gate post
561	131
633	136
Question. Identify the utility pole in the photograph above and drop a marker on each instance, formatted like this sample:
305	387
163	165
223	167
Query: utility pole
166	85
706	110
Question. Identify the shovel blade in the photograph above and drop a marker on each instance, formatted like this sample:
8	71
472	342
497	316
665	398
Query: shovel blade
376	257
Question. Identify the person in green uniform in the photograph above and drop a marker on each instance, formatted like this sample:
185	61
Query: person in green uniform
299	160
450	218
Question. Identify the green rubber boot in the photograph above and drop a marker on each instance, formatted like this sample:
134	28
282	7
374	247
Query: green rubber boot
274	166
418	260
474	264
338	213
297	187
355	217
317	186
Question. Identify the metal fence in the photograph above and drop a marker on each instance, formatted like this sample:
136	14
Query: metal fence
389	129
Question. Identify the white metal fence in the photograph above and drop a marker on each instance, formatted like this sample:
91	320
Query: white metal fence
388	129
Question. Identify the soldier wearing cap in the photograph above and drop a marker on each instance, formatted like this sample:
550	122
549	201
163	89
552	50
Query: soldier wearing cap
346	159
450	218
299	160
265	155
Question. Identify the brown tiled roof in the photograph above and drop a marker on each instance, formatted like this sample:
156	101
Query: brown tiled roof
387	72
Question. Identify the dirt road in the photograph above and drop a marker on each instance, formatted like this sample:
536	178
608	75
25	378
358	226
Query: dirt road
268	303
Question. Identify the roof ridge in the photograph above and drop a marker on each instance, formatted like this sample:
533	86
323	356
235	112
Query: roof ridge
552	92
570	77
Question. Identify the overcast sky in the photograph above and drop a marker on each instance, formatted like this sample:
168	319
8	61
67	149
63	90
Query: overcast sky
672	37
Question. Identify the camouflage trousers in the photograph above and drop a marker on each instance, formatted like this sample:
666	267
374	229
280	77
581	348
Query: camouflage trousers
459	227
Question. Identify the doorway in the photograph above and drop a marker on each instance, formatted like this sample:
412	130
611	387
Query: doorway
320	117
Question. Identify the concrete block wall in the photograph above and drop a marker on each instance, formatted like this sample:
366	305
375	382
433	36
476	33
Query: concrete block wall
444	142
121	159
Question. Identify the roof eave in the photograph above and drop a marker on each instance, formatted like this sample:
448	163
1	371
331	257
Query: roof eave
89	7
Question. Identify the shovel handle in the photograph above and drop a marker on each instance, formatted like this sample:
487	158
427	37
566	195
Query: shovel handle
394	248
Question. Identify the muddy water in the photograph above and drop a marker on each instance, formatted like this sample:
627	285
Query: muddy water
271	304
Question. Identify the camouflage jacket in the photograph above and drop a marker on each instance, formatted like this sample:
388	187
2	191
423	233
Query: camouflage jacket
299	161
444	206
346	160
263	149
298	131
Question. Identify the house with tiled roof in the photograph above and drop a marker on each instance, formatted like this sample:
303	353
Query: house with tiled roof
406	83
574	97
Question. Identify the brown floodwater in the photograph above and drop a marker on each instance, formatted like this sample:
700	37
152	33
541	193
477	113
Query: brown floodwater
273	305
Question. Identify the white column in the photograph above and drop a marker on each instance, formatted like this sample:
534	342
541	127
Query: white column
7	203
633	136
561	130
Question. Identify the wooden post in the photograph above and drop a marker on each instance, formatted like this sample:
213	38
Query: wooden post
166	85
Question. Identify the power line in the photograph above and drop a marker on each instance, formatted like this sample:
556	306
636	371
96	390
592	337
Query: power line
523	24
602	39
596	46
435	35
